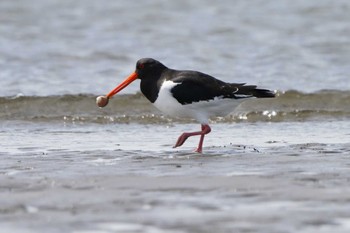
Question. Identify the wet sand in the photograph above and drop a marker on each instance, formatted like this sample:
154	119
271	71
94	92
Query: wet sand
261	186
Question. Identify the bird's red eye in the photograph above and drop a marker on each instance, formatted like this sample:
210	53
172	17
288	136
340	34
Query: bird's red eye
141	66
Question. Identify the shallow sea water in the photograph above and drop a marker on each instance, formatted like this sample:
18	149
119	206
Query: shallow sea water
278	165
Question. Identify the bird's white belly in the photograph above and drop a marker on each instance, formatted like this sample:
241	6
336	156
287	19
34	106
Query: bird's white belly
201	111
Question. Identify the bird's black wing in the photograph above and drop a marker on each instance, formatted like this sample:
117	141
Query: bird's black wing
196	86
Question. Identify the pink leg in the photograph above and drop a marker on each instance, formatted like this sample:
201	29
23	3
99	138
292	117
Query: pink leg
205	130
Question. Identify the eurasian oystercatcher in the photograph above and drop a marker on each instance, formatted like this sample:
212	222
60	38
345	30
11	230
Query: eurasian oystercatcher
185	93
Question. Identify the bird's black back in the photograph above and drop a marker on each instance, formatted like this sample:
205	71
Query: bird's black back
196	86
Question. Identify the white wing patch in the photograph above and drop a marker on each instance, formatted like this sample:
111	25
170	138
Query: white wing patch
243	96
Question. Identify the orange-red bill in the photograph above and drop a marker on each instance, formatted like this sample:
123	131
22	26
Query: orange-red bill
132	77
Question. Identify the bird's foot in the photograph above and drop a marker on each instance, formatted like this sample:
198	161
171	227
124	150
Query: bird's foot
198	150
181	140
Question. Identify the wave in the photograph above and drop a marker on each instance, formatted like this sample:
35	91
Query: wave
134	108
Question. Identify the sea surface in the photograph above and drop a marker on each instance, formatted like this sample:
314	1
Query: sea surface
277	165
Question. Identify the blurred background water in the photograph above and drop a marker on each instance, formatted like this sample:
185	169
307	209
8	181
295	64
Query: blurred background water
55	47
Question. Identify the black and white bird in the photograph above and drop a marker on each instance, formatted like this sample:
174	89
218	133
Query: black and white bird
186	93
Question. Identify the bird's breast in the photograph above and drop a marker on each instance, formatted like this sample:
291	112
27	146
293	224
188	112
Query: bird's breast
166	101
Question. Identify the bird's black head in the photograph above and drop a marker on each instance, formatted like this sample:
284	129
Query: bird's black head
149	71
149	68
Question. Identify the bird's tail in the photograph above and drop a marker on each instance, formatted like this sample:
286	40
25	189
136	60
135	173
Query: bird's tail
263	93
253	91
